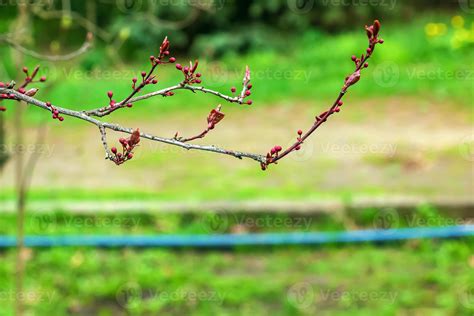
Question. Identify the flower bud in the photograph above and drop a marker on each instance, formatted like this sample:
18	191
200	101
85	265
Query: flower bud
60	118
129	156
43	79
249	86
300	132
179	67
278	148
154	81
339	103
143	74
48	104
172	60
110	94
134	80
198	75
25	70
198	80
233	89
114	150
249	102
247	93
129	105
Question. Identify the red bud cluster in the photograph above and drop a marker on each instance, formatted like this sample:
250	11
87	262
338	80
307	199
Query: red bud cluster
55	112
372	34
128	145
190	74
29	78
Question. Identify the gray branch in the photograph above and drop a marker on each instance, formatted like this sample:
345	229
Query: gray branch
86	116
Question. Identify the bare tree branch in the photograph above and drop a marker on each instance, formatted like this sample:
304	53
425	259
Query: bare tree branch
191	77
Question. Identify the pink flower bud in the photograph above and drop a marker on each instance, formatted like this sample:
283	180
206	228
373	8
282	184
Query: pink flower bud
22	90
48	104
154	81
129	105
25	70
61	118
198	75
198	80
43	79
278	148
114	150
300	132
369	50
2	85
134	80
354	58
233	89
3	109
298	147
143	74
339	103
172	60
381	41
366	65
179	67
249	86
247	93
249	102
110	94
129	156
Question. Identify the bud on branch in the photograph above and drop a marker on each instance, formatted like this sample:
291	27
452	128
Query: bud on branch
191	79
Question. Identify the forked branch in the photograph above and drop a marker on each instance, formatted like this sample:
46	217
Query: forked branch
191	78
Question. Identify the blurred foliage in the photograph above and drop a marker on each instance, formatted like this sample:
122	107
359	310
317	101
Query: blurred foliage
213	26
425	277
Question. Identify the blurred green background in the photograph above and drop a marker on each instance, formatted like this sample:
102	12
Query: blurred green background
403	142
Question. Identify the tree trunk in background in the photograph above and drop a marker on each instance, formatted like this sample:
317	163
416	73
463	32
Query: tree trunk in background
3	151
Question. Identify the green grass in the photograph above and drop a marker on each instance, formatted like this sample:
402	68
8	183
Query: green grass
427	277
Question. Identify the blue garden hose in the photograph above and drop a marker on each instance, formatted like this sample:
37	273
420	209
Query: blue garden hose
231	240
